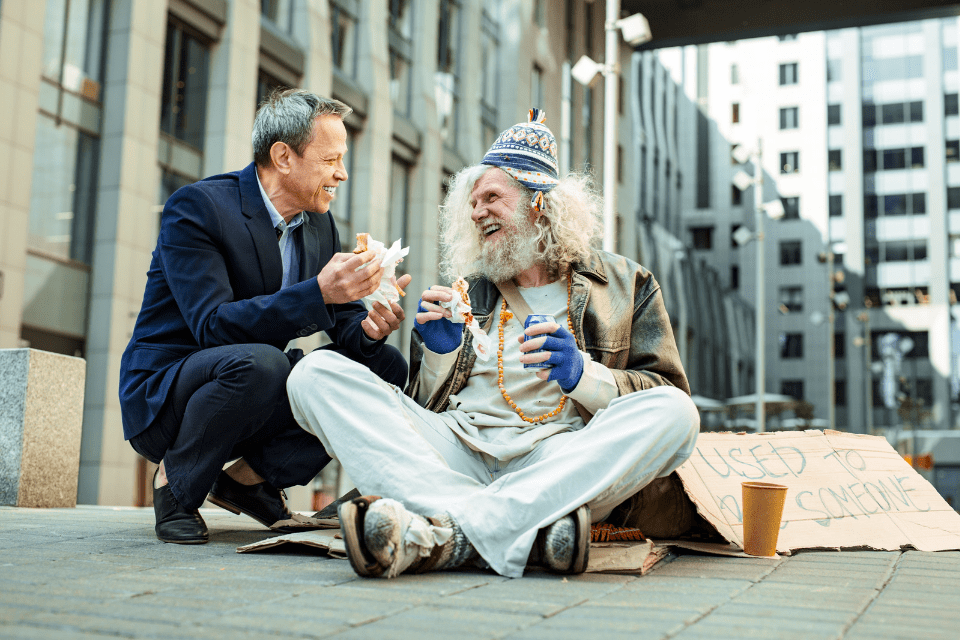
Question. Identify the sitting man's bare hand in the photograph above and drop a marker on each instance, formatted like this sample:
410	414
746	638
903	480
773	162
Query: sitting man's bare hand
381	321
340	281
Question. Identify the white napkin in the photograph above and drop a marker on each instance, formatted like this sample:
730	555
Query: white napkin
389	259
481	341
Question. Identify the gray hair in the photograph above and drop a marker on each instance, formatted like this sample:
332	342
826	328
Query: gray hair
570	224
287	115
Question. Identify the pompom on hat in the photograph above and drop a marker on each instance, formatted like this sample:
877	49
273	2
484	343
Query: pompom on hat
527	152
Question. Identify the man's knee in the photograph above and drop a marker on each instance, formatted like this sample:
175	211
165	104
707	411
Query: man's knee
669	410
260	368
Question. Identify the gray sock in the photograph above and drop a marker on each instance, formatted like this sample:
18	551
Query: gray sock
458	550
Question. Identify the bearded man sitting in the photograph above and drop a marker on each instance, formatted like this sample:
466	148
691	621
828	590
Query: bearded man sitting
492	462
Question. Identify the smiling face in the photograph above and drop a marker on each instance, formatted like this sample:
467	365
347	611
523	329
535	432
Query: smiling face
507	235
314	175
494	202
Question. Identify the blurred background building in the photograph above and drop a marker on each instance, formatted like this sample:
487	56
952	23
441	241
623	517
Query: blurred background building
108	106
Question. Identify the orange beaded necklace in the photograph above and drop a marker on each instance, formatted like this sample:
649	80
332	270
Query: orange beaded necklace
504	316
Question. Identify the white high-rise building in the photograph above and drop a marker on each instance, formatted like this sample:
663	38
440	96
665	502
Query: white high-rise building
860	140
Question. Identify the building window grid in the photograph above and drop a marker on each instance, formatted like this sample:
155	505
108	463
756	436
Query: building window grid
893	159
791	299
791	252
790	162
343	36
789	117
791	346
446	79
400	43
788	73
489	78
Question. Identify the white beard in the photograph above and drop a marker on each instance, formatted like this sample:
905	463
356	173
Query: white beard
512	254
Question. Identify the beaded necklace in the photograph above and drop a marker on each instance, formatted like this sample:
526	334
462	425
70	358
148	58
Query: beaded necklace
504	316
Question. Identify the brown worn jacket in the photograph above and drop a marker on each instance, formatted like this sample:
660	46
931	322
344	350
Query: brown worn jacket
618	317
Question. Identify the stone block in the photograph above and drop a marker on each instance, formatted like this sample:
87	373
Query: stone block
41	414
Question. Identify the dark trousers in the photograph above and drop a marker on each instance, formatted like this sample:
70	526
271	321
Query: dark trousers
230	402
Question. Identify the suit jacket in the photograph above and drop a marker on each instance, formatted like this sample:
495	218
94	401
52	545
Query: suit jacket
214	280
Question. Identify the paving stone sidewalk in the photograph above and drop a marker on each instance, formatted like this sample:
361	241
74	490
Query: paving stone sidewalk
99	572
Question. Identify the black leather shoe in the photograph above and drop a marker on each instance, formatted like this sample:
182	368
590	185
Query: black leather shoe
174	523
262	502
331	510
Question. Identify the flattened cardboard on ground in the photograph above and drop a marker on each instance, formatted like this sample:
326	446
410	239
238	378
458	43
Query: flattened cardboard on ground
844	491
325	539
605	557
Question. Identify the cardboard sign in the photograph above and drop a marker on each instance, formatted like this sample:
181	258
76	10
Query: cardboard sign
844	491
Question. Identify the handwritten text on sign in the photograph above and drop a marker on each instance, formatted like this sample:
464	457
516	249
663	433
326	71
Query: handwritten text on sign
841	487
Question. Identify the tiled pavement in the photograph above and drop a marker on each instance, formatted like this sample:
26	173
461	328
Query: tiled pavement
98	572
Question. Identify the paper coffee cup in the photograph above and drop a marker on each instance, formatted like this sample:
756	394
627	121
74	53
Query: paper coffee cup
762	510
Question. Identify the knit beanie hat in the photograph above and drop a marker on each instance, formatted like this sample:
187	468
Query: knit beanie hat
527	152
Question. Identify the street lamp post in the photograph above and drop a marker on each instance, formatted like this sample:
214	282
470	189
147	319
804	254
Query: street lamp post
636	31
761	292
774	209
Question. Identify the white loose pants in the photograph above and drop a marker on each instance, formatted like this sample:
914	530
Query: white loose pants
392	447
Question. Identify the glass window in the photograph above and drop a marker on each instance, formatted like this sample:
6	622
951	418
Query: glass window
792	388
896	252
790	162
790	252
840	344
870	160
734	74
399	23
489	65
918	203
953	150
833	114
869	115
735	112
836	206
950	106
789	117
870	206
64	195
267	84
953	197
916	111
734	277
916	158
702	238
834	160
279	12
894	159
343	36
446	81
892	113
895	205
183	106
840	392
791	345
788	73
791	299
919	250
791	207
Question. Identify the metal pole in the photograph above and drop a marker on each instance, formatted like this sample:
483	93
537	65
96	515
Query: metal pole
831	361
611	78
868	354
761	293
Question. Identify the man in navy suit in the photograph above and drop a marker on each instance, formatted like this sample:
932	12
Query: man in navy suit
246	262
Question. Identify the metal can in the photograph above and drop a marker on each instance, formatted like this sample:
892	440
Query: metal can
532	319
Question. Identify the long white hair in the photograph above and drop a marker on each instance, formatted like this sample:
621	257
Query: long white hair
570	224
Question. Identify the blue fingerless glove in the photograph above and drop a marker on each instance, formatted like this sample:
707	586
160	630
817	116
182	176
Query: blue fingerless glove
566	359
440	336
